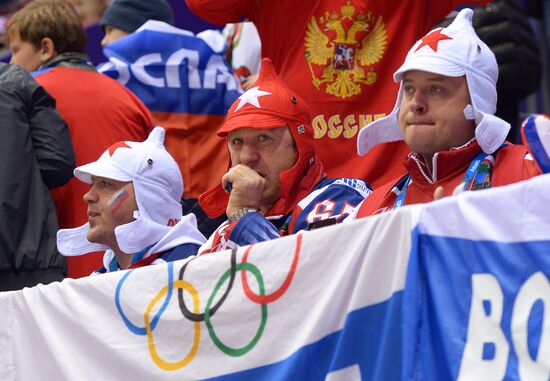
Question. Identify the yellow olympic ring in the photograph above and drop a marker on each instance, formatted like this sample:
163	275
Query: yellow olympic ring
166	365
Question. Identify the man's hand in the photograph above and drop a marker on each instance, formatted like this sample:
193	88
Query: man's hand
247	187
438	193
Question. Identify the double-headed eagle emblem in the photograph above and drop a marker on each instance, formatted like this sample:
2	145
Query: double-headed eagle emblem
344	57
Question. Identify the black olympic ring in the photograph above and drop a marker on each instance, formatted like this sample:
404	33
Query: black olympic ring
200	317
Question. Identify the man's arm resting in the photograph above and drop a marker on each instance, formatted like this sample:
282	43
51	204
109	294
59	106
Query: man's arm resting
252	228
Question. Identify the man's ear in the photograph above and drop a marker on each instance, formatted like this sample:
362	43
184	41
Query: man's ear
47	49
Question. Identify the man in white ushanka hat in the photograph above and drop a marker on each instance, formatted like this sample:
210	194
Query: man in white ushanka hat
445	113
134	210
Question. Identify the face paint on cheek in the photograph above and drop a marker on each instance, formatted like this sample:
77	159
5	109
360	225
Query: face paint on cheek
117	200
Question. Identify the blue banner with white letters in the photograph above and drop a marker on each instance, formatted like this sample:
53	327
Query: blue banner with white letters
477	297
172	70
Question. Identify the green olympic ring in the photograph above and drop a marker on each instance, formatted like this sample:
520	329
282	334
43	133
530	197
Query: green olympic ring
224	348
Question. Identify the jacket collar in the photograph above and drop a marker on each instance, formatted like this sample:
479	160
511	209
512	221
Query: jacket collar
72	60
444	163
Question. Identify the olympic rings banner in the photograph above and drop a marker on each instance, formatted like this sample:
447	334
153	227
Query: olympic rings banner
457	289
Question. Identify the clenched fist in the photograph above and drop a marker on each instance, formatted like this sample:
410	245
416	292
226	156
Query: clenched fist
246	187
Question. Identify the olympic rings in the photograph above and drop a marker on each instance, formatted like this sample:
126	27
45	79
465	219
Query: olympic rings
179	284
284	286
224	348
131	326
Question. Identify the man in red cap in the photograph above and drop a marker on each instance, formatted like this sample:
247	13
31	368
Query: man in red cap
276	184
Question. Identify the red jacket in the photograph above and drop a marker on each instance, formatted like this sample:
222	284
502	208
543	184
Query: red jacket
99	111
511	165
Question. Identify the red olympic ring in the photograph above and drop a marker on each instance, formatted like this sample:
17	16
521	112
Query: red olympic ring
264	299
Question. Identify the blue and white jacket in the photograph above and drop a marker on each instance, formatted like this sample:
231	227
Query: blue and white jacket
330	201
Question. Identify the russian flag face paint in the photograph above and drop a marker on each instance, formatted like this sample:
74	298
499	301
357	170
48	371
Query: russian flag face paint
117	200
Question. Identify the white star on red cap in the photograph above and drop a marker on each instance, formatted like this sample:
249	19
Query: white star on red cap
251	97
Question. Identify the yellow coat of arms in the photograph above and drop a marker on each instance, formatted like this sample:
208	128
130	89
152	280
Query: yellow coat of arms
344	57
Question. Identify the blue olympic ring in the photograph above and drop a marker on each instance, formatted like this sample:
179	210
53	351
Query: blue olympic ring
131	326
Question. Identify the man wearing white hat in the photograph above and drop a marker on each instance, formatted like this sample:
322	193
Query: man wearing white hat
445	113
134	211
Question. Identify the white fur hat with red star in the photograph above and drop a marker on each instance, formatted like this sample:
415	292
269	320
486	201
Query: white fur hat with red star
453	51
158	187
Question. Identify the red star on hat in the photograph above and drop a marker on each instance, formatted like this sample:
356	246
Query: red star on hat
116	146
432	39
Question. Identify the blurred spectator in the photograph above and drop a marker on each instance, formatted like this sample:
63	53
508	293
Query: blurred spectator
123	17
99	111
35	154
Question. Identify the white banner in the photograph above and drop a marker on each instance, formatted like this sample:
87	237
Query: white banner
131	326
455	289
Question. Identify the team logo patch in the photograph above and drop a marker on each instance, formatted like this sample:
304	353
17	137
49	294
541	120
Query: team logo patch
344	46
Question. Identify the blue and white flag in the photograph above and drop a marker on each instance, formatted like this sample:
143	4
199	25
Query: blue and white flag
477	299
172	70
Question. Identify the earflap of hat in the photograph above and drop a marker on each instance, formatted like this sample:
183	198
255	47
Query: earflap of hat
483	92
136	235
74	242
491	131
380	131
306	159
303	136
156	203
214	201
